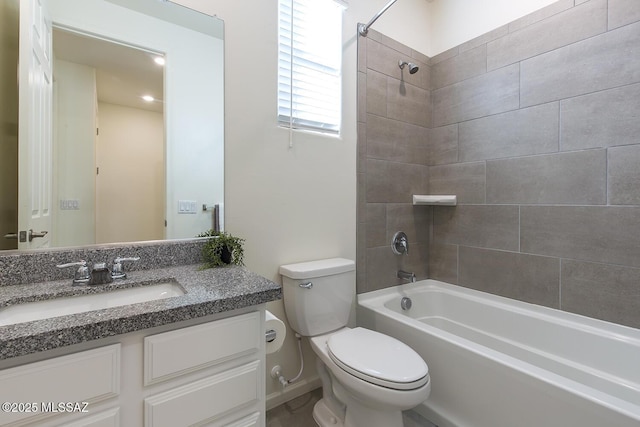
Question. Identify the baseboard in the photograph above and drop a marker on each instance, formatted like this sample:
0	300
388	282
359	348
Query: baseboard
292	391
432	416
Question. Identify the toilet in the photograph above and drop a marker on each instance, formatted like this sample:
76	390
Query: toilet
368	378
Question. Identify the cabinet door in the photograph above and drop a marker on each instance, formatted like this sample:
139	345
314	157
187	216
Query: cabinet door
174	353
108	418
252	420
89	376
203	401
35	140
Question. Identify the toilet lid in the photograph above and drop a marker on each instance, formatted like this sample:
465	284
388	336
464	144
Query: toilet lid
378	358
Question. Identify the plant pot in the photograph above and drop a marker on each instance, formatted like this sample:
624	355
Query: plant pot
221	249
225	256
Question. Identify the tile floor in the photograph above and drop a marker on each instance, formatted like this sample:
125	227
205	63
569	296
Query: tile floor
298	413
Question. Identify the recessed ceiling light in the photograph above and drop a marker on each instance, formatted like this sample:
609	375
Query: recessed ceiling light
159	60
148	98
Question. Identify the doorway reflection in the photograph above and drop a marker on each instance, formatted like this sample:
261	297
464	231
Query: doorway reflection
109	179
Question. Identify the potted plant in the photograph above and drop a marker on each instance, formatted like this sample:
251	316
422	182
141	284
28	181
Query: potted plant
221	249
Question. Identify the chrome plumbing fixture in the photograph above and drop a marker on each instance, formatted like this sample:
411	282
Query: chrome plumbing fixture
413	68
276	371
270	335
406	275
99	274
363	29
82	275
400	243
117	271
405	303
306	285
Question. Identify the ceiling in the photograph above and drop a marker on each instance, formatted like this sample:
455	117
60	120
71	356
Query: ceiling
123	73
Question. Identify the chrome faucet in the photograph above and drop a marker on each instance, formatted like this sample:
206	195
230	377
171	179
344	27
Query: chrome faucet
82	275
406	275
98	275
117	271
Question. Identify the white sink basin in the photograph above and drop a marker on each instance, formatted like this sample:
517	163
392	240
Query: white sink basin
46	309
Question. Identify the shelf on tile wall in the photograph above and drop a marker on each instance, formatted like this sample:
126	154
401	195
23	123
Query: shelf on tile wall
435	200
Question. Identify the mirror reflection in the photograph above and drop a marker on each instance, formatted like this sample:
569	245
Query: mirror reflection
124	169
108	141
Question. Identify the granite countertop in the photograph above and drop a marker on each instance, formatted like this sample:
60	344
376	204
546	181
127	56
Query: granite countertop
209	291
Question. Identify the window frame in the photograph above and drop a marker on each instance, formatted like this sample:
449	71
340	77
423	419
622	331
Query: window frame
309	81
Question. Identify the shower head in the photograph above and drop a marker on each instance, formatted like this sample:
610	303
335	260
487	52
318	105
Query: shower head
413	68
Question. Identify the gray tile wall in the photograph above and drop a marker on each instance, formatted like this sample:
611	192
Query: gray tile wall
536	127
560	221
394	117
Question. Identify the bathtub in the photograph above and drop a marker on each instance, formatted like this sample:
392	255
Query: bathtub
497	362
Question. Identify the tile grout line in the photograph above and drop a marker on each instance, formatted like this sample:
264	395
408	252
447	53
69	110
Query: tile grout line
560	284
606	177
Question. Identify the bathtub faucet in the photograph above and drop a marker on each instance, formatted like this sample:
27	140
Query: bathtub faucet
406	275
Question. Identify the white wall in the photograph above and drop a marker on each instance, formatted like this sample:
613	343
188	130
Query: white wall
195	135
407	21
295	204
433	26
74	152
453	22
130	186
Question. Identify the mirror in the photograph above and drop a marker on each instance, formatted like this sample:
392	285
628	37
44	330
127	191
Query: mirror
146	163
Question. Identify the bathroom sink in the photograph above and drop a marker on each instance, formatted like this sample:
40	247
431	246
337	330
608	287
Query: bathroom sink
46	309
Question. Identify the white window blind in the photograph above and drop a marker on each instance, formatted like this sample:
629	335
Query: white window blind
309	64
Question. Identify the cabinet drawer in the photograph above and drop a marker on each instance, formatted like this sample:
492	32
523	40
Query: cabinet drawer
108	418
88	376
174	353
249	421
204	400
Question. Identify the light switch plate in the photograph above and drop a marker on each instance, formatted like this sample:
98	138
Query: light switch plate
187	206
69	205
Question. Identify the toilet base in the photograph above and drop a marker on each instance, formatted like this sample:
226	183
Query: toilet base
324	417
357	415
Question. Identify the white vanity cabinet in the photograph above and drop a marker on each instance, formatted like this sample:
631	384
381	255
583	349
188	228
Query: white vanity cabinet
234	342
200	374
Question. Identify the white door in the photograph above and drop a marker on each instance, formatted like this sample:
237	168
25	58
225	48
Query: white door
35	127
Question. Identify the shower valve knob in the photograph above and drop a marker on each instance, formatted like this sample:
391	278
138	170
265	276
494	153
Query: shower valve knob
400	243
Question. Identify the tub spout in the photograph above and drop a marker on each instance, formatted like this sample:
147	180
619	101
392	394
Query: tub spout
406	275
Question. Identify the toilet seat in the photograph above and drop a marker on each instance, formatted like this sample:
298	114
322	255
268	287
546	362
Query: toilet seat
378	359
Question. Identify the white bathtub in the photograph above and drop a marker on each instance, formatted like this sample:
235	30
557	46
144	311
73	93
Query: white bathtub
497	362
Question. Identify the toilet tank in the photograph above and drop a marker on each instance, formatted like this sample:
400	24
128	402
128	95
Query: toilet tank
318	294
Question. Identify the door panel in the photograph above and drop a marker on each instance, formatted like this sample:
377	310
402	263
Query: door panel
35	126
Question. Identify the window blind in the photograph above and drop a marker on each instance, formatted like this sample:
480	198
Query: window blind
309	64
